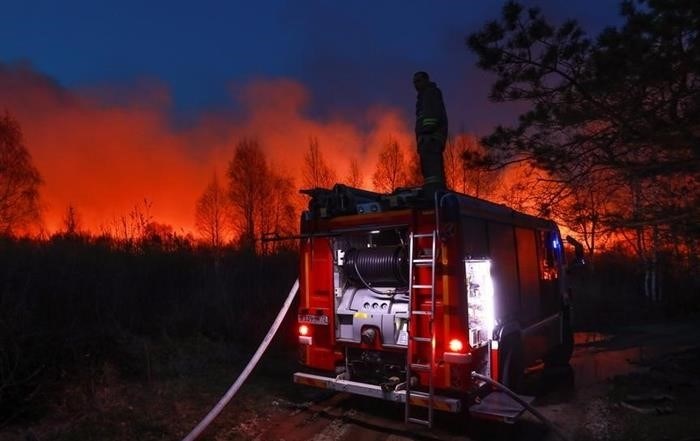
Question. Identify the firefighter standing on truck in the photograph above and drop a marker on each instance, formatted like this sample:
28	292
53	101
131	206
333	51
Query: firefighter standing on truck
431	133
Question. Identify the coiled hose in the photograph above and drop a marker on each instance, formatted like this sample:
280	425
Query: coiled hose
380	266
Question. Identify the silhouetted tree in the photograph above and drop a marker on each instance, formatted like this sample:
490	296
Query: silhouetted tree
263	201
585	208
213	214
249	183
19	180
159	236
316	173
131	227
72	223
625	106
278	215
461	175
628	102
354	178
391	168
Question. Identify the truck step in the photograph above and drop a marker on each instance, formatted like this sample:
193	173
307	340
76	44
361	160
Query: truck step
419	394
419	421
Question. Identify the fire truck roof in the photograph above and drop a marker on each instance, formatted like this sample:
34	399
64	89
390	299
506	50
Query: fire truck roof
342	200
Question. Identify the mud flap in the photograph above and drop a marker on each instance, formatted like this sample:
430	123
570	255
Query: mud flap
499	406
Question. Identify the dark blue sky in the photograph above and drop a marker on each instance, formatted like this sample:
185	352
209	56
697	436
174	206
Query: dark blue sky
349	55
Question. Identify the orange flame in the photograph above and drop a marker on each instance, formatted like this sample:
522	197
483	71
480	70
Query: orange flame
105	158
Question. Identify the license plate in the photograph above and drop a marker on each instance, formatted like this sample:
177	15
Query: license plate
313	319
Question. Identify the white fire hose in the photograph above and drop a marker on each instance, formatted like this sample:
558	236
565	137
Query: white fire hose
194	434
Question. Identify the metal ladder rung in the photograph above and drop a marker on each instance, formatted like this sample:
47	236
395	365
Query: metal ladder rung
420	367
423	286
419	312
422	339
423	262
415	393
419	421
423	235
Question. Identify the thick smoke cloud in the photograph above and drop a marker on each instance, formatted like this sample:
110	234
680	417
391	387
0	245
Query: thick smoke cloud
106	149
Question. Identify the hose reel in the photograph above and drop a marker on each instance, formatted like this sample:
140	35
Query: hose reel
385	266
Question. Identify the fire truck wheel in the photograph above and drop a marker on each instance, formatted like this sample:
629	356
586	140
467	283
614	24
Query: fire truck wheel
512	363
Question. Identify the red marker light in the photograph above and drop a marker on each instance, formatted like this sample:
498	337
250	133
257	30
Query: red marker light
303	330
456	345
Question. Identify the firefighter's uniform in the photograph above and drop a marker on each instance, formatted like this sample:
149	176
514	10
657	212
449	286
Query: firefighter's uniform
431	135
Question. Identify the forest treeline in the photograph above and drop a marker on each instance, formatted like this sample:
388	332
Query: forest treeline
70	303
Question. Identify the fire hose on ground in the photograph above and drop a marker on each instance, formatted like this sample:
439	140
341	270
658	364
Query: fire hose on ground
523	403
216	410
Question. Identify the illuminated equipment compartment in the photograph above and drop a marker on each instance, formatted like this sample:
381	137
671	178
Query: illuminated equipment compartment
370	279
480	310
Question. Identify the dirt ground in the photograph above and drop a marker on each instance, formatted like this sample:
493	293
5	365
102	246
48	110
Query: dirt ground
642	383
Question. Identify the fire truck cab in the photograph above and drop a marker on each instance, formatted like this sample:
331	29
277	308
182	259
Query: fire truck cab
402	298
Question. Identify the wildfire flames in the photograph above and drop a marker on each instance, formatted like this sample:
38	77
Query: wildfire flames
103	151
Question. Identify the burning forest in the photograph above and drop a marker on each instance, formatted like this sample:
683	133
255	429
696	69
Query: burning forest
135	239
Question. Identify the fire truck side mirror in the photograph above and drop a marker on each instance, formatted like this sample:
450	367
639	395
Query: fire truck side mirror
579	258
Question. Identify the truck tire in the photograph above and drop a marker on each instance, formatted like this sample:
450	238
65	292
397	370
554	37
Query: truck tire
561	354
512	365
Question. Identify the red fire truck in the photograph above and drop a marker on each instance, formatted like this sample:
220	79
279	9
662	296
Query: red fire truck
402	298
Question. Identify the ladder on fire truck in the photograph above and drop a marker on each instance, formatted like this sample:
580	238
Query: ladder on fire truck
416	339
